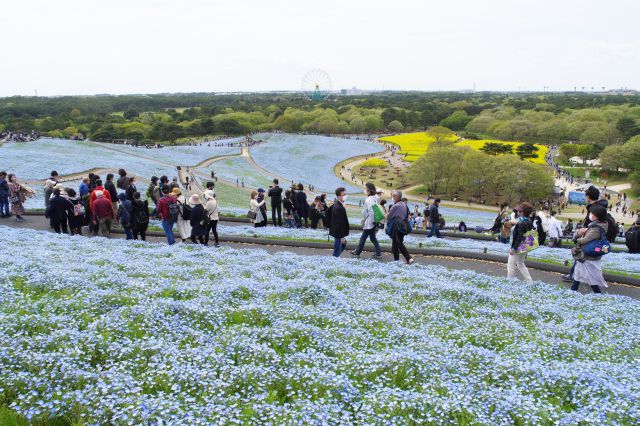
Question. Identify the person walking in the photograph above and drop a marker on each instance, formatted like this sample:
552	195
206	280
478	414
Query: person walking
521	226
103	214
369	225
213	213
275	193
76	217
254	208
398	214
197	219
125	211
434	219
339	222
4	195
588	268
184	224
59	212
139	217
16	197
169	212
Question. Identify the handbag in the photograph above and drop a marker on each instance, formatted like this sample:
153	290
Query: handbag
529	243
597	248
252	215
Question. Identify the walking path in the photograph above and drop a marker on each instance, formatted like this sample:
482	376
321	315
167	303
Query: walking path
484	267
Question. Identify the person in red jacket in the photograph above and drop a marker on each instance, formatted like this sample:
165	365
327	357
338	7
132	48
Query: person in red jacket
105	194
102	212
163	210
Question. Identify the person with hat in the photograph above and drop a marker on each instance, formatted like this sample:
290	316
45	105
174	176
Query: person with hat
369	227
588	269
102	213
212	210
184	224
255	207
59	211
263	208
197	219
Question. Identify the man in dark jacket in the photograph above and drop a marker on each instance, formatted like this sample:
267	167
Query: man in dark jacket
339	227
110	187
4	195
275	193
59	211
592	194
434	218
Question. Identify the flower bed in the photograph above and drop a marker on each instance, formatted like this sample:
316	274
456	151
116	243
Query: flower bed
132	332
309	159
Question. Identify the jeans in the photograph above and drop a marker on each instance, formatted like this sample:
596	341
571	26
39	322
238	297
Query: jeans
104	226
371	234
167	226
276	207
4	206
397	245
434	230
338	246
212	226
129	233
503	240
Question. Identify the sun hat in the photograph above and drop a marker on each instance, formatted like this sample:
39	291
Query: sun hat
209	194
176	191
195	199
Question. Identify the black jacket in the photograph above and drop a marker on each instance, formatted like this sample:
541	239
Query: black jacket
519	229
339	226
130	191
434	214
109	186
4	188
275	194
197	216
136	223
60	209
301	204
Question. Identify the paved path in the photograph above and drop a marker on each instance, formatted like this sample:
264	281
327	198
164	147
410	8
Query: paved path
489	268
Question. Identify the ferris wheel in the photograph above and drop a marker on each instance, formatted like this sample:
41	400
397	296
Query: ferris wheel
316	84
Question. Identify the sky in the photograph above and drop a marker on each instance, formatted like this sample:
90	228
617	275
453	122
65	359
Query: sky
83	47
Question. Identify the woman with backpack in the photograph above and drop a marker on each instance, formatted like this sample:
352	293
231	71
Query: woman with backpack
124	213
184	225
588	267
77	215
140	216
517	254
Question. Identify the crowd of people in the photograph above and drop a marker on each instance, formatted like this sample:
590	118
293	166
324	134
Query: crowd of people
11	136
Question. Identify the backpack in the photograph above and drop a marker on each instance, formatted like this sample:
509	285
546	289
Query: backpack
186	211
78	209
613	230
378	214
632	239
174	209
327	216
404	226
597	248
497	224
142	215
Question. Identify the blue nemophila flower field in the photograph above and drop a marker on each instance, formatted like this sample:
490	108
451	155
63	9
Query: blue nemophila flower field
109	331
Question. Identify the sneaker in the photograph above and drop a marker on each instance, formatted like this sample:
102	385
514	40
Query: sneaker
377	256
567	278
354	253
216	245
410	261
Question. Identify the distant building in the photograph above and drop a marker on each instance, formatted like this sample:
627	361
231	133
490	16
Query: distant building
354	91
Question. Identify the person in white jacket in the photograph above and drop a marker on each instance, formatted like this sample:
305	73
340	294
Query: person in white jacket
254	206
554	227
213	211
369	228
184	226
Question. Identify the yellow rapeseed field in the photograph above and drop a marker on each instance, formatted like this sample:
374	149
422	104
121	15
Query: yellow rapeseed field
416	144
374	162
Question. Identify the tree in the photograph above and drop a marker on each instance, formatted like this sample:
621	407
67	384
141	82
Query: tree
628	127
457	120
494	148
613	157
527	150
395	126
130	114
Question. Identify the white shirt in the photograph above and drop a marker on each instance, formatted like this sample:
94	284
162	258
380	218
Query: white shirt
555	227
